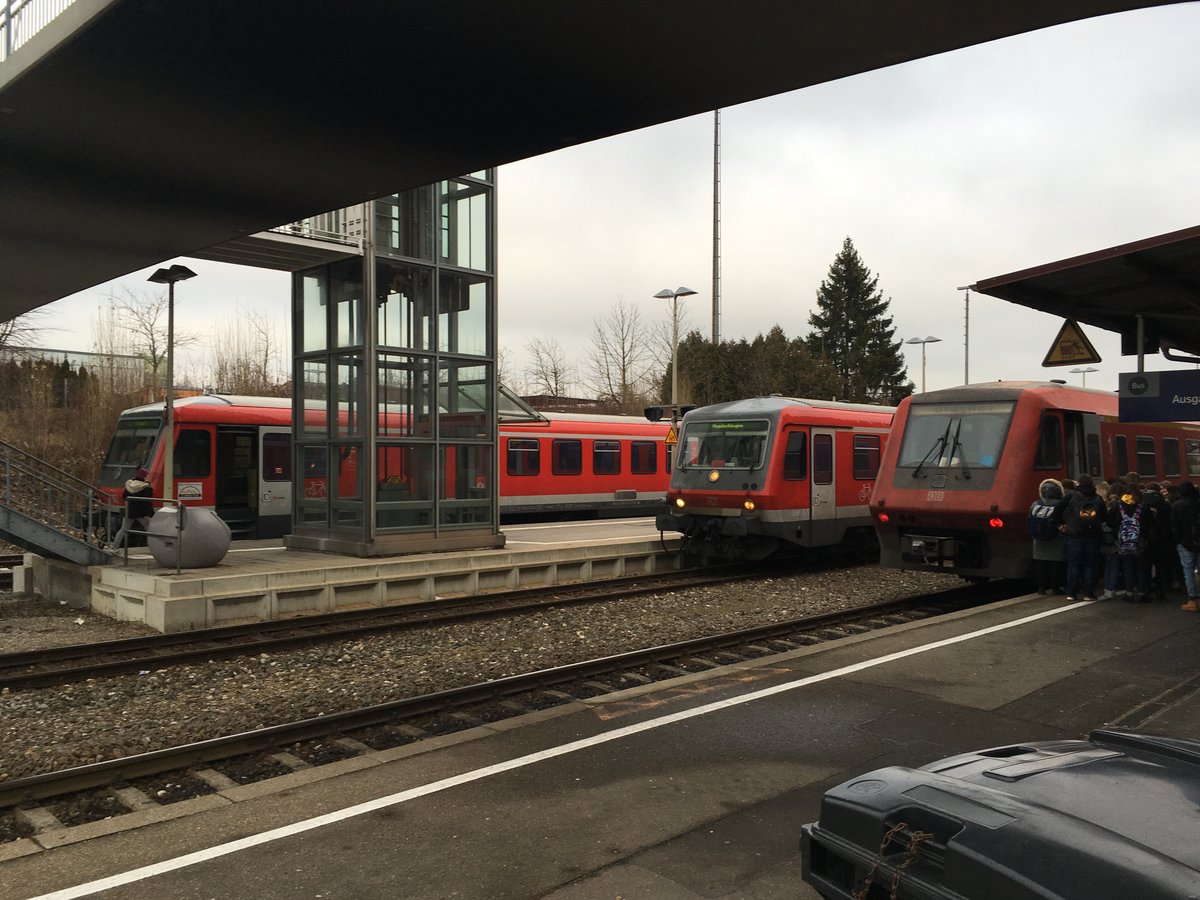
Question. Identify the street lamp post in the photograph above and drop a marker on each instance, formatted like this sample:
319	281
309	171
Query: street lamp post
1081	370
674	295
923	341
169	277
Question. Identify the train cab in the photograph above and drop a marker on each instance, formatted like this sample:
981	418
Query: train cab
964	466
755	477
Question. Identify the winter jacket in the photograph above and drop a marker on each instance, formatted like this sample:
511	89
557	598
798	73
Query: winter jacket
135	491
1083	512
1184	513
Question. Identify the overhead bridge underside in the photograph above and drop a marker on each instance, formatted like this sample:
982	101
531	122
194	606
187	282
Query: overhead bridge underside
134	131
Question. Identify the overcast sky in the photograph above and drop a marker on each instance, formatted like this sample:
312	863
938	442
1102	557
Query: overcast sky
943	172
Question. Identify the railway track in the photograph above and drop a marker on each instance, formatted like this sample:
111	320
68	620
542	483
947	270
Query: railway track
211	765
77	662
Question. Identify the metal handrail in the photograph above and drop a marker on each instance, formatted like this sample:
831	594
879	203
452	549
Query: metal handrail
47	494
180	524
20	20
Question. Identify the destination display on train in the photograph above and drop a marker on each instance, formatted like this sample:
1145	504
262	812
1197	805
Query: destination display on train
1159	396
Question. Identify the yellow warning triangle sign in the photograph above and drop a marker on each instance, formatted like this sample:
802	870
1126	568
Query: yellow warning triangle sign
672	437
1071	347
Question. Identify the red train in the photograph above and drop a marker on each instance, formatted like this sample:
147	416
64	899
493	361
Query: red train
756	477
964	465
234	454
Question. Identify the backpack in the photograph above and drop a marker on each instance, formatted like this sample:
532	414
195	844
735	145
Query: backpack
1129	532
1042	524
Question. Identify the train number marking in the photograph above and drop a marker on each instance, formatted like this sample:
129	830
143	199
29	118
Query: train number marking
935	496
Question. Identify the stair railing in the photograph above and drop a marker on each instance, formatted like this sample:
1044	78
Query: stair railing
40	491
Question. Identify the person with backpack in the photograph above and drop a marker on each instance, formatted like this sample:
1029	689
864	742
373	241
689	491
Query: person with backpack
1049	548
1129	517
1083	515
1158	541
1184	514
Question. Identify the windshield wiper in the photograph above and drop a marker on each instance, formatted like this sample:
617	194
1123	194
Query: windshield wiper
936	450
957	447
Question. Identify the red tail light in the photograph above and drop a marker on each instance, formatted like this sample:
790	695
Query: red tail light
996	522
883	518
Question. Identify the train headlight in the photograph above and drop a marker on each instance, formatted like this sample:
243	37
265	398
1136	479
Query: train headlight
749	505
995	522
714	475
679	502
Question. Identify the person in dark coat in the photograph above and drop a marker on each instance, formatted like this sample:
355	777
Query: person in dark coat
139	508
1162	560
1049	548
1083	515
1184	515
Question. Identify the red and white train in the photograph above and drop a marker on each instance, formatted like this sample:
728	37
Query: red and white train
234	454
756	477
964	465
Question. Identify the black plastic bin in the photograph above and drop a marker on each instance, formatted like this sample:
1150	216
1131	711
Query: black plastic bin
1116	816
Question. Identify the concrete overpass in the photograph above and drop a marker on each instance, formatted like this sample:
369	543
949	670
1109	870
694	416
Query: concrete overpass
133	131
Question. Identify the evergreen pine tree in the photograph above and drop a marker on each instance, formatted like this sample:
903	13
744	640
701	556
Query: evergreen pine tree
852	329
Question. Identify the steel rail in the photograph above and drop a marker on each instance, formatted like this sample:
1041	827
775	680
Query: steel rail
28	669
93	775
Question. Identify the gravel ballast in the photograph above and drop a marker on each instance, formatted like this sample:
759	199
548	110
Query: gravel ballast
51	728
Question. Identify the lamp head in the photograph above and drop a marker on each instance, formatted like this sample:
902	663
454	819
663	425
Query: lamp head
172	275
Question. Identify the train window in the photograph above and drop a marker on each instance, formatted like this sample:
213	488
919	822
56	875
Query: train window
606	457
524	456
1192	451
1147	460
566	457
1093	454
130	448
822	459
1050	443
193	453
866	456
737	444
643	457
1171	466
277	457
939	435
1121	452
795	456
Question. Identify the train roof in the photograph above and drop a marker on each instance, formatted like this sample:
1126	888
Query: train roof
239	400
775	404
1002	390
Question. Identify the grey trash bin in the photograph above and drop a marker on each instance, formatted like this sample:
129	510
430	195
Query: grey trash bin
204	541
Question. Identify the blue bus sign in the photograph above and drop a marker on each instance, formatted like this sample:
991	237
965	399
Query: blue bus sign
1159	396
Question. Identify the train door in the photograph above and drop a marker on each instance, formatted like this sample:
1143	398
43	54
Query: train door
823	529
1083	443
237	479
274	481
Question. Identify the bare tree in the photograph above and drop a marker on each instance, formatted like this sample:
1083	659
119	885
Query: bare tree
246	357
20	332
622	362
144	316
548	371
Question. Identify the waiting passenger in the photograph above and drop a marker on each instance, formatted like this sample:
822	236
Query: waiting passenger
1082	517
1049	548
139	509
1185	513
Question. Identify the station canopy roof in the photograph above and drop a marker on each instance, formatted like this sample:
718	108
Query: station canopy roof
1157	278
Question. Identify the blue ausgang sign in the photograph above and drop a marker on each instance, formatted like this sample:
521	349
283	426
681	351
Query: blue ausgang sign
1160	397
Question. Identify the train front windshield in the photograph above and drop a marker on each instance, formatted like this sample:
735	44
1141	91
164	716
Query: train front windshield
730	445
946	435
131	447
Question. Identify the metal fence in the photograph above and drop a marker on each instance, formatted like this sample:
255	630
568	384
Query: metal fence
45	494
22	19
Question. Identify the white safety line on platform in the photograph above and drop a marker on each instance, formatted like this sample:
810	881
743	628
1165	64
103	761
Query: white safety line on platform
275	834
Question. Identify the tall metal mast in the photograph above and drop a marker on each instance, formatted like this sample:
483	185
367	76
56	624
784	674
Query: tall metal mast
716	253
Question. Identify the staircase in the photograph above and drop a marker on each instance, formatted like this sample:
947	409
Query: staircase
51	512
